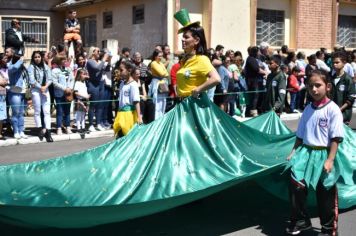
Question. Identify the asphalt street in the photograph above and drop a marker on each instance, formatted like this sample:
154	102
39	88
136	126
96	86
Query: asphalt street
245	209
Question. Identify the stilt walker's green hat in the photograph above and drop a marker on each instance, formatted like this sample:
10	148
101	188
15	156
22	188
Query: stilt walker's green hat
182	16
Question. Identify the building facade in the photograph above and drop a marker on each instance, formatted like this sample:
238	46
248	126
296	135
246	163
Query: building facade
37	20
141	24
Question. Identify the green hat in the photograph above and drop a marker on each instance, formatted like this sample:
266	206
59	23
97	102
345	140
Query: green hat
182	16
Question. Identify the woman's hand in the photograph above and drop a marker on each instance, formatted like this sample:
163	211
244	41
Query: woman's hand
328	165
195	92
43	89
139	120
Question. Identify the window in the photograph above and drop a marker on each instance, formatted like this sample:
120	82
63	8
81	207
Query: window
34	27
88	30
138	14
346	31
270	27
107	19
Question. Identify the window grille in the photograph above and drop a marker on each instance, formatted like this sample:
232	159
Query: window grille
32	27
88	30
138	14
270	27
346	31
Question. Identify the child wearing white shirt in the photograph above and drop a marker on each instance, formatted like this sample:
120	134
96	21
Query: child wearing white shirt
81	95
312	159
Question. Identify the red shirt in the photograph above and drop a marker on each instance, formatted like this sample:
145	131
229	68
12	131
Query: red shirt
293	84
174	70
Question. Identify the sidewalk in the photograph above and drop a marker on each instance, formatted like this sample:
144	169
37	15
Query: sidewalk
31	131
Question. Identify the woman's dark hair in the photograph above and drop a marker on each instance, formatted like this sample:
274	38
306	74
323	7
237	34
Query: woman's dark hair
300	55
253	51
290	56
131	67
60	48
318	54
284	49
77	57
238	53
210	53
2	55
353	55
33	58
312	57
198	32
155	53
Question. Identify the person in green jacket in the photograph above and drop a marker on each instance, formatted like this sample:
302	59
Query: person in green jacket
343	89
276	86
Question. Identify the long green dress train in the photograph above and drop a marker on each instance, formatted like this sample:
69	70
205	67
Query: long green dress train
195	150
275	184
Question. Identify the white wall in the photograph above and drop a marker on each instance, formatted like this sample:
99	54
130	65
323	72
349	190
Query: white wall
195	9
231	24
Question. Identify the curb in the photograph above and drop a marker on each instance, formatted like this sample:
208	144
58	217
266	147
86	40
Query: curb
56	138
98	134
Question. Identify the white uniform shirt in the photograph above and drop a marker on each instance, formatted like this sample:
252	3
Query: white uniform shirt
81	88
19	34
319	125
129	93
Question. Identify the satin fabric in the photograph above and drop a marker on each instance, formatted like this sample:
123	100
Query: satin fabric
277	183
195	150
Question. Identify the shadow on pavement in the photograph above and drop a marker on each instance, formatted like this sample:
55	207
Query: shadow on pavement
243	206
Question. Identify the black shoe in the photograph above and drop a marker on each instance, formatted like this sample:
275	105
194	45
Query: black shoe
41	134
296	228
48	136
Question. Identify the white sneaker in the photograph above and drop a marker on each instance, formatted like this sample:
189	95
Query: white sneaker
17	136
23	135
59	131
101	128
92	129
68	130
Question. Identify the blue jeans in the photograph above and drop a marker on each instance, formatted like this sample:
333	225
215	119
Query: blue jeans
106	106
63	112
17	104
95	107
293	101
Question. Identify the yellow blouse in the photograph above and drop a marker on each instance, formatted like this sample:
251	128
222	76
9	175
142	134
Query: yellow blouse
158	69
193	73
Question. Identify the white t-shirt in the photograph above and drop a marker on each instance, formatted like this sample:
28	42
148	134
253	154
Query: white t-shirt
322	65
129	93
319	125
81	88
